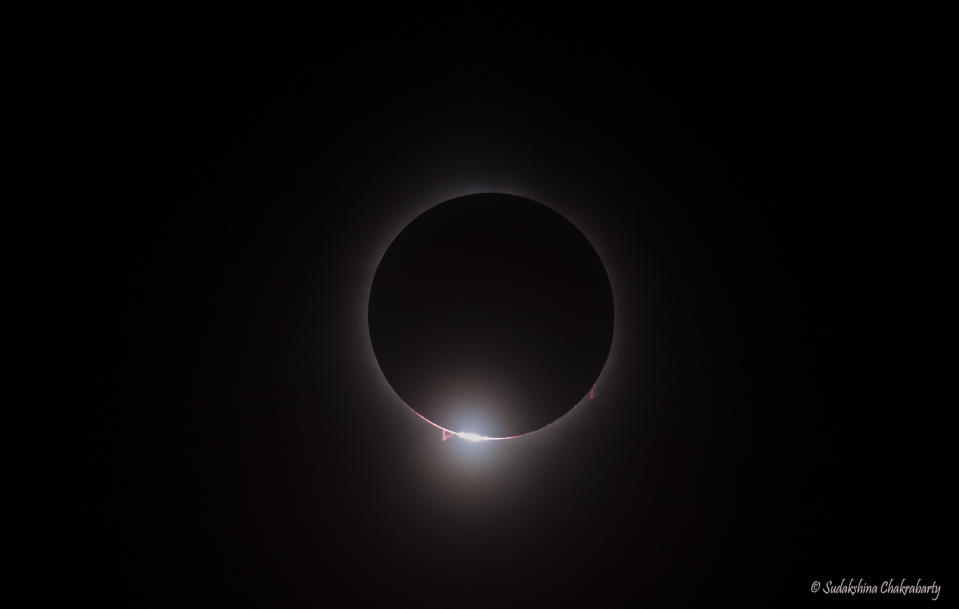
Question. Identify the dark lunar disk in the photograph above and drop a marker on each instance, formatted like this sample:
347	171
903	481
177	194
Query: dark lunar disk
491	314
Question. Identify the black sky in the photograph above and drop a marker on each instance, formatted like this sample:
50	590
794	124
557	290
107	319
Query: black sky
203	196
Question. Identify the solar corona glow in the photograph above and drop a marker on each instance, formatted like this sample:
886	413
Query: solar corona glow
491	316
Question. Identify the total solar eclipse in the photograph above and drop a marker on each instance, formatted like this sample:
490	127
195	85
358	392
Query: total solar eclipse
491	316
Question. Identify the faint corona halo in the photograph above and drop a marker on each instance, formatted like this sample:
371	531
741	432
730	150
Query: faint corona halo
491	316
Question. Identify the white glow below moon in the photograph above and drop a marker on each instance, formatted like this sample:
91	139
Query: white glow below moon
471	437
